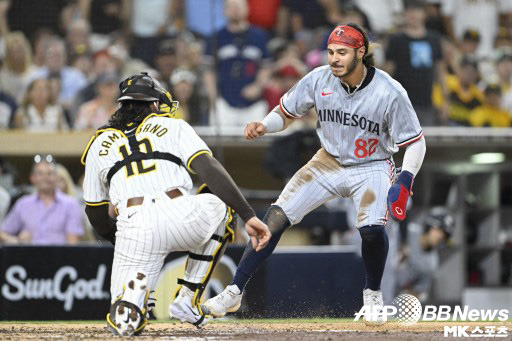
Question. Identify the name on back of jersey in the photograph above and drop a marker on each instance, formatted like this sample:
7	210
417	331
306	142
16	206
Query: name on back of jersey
112	135
153	128
109	138
348	119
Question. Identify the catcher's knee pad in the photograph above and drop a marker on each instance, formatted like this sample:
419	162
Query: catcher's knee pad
127	315
204	263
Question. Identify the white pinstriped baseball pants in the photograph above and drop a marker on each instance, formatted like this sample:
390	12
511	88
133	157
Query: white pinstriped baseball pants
323	179
147	233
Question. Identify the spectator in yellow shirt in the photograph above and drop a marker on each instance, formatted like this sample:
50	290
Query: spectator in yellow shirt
504	68
490	114
463	94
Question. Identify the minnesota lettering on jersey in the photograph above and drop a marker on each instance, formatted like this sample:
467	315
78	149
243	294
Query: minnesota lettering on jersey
348	119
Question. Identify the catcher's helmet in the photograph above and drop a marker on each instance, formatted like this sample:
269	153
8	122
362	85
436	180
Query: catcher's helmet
145	88
441	218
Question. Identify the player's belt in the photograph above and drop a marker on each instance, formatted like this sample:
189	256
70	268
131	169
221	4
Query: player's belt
173	193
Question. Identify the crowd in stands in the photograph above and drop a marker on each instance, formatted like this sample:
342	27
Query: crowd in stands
229	61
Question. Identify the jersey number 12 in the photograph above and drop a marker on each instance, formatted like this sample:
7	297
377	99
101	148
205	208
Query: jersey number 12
140	167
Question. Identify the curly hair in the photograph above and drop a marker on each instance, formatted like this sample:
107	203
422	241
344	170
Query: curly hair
368	58
130	112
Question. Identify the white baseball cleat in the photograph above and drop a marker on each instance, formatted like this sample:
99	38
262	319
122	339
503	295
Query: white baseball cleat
227	301
373	299
183	310
127	314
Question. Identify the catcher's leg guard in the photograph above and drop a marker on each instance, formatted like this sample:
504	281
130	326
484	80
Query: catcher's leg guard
201	262
127	314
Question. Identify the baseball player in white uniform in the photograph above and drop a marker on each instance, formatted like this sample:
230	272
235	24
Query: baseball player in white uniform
139	164
364	117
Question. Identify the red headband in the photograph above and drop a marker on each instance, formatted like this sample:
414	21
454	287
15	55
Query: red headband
346	35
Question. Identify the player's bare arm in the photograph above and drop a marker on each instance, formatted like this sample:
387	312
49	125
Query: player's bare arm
275	121
222	185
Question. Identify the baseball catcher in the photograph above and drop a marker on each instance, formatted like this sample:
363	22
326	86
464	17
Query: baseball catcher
140	165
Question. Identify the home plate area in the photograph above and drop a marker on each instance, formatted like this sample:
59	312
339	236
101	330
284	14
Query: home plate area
256	329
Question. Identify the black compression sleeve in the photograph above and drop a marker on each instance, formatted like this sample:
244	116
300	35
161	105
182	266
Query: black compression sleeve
222	185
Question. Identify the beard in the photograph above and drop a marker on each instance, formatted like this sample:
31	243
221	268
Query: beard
351	67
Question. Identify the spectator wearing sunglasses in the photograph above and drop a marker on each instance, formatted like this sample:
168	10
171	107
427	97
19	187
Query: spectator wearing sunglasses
46	217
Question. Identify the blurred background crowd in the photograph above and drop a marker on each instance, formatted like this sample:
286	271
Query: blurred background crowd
229	61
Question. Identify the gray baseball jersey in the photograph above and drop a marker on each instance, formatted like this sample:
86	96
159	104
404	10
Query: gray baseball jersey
366	125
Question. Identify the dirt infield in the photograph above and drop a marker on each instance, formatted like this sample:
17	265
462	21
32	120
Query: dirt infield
245	330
